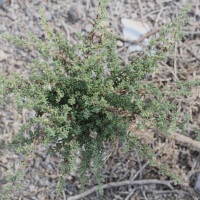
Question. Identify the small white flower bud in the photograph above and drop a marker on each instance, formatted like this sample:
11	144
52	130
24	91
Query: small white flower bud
138	120
187	126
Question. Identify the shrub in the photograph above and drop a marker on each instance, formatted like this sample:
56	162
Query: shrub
79	103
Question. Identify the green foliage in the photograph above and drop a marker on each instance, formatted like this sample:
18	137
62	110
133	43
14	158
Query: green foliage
79	103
